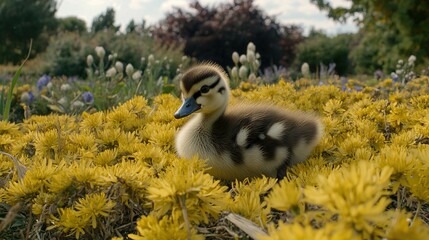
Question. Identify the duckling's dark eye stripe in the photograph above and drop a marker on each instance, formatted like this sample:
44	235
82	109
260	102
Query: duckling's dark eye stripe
198	94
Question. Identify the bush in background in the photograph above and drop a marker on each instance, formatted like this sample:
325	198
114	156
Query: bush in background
214	33
319	49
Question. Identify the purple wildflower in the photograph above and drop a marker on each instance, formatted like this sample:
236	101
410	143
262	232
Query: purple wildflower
43	81
88	97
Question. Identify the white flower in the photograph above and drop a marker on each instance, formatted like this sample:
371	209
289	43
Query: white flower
137	75
89	60
243	72
252	78
411	60
65	87
400	62
25	97
110	57
256	64
49	86
234	72
243	59
250	56
111	72
100	52
305	69
251	47
184	58
151	59
77	104
129	69
119	66
235	58
63	102
399	71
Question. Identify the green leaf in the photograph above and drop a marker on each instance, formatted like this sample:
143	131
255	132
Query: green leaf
6	110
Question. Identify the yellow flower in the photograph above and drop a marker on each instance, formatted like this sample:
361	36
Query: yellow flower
399	228
70	221
92	122
149	227
296	231
34	182
355	193
397	158
258	185
285	195
94	206
183	184
250	206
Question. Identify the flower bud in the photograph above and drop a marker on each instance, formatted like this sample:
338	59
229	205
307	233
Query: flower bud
251	47
411	60
25	97
251	56
119	66
65	87
77	105
63	102
252	78
137	75
89	60
100	52
151	59
129	69
235	58
305	69
243	72
111	72
243	59
234	72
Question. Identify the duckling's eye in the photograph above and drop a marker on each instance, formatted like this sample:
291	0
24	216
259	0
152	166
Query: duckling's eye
205	89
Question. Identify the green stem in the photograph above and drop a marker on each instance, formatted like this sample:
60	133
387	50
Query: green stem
182	201
419	207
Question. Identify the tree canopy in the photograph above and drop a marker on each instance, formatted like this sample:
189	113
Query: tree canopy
22	20
105	21
405	21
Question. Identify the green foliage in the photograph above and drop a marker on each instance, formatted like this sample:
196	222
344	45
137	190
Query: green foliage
67	52
22	20
71	24
321	49
392	29
214	33
105	21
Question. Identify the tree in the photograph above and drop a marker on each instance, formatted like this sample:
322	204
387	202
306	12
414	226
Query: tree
131	27
407	20
22	20
105	21
71	24
214	33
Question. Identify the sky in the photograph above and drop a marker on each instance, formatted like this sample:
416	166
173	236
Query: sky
299	12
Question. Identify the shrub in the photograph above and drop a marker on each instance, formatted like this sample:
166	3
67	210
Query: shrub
321	49
215	33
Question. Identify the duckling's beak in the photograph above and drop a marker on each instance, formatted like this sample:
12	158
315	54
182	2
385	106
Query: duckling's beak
189	106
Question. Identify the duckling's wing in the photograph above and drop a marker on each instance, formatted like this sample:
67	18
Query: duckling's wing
268	139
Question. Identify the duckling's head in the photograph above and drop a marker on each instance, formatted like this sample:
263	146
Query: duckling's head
204	89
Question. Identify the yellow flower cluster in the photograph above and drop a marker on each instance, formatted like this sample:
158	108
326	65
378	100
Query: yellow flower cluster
107	174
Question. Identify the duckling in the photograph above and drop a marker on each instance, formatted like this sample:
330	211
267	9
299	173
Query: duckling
247	140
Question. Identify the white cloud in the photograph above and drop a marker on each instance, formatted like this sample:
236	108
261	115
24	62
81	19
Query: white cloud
168	5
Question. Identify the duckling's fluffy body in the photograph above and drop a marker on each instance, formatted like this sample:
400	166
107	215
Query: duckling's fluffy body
247	140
